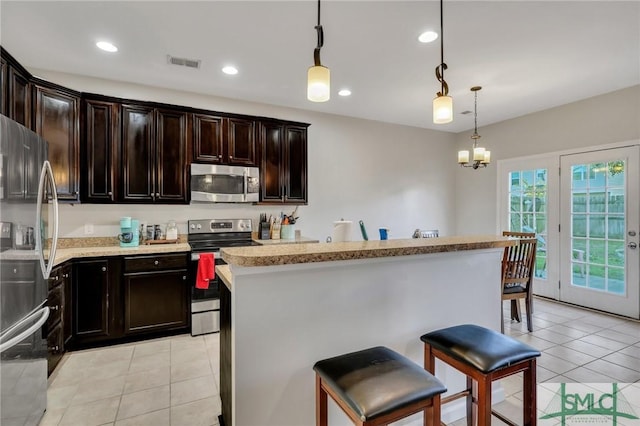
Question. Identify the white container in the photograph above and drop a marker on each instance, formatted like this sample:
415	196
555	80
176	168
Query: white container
342	231
172	230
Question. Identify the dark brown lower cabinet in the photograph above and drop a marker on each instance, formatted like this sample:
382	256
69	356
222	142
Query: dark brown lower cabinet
128	298
96	300
155	301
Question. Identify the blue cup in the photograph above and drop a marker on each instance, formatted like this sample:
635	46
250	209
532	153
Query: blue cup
384	233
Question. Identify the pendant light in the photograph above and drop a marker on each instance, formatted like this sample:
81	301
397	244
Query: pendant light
443	103
318	76
481	157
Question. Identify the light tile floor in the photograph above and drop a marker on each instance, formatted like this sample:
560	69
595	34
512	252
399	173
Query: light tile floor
163	382
174	381
577	345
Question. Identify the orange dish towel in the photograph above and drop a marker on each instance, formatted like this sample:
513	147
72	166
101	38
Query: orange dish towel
206	270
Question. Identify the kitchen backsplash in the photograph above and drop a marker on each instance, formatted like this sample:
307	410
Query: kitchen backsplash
105	219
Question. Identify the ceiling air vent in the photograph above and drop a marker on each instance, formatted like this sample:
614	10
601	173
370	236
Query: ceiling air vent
184	62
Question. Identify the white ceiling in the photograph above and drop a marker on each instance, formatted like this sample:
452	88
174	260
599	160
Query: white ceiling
527	55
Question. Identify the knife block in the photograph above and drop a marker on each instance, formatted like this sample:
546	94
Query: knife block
264	231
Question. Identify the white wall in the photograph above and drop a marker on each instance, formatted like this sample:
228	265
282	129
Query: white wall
384	174
601	120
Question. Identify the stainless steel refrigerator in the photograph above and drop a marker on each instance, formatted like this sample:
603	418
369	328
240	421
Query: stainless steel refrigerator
28	239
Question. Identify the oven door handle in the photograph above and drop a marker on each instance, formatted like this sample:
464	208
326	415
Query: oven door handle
196	256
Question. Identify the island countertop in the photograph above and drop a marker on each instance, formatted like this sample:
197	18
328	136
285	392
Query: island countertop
326	252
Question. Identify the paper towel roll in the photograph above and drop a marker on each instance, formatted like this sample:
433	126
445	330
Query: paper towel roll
341	231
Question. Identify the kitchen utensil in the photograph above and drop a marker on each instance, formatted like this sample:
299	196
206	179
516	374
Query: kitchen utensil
363	230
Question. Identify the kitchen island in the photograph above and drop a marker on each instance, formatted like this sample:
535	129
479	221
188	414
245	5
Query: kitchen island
286	307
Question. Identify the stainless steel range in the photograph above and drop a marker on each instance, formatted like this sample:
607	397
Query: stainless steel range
209	236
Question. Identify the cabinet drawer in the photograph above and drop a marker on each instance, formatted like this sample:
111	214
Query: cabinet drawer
55	300
55	278
153	263
55	348
19	271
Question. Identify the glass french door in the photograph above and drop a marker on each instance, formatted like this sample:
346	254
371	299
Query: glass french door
599	218
528	203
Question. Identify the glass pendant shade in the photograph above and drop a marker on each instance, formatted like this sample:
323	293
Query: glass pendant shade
442	109
478	154
318	84
463	157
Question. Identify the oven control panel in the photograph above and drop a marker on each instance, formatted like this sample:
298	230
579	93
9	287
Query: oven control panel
207	226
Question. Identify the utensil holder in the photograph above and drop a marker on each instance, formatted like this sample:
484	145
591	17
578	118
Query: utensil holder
287	232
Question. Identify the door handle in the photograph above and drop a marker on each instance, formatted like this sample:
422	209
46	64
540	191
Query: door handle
632	245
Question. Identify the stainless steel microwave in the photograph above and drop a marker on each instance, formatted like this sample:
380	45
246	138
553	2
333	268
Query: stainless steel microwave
224	184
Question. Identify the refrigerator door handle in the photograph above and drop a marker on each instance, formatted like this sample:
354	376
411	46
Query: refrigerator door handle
44	315
45	174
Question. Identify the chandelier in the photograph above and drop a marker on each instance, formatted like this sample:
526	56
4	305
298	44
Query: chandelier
481	157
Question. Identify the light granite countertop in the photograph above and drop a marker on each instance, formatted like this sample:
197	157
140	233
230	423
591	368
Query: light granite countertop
62	255
286	254
224	272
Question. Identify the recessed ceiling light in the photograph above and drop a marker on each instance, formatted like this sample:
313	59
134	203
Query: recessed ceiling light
428	37
230	70
106	46
344	92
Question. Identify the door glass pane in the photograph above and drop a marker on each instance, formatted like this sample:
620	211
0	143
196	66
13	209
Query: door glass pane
598	226
528	210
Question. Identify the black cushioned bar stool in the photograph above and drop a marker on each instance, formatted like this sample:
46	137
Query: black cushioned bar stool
377	386
484	355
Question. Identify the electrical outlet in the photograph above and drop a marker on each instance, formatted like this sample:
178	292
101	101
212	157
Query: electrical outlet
88	229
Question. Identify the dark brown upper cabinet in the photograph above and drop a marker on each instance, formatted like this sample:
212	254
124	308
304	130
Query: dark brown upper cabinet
154	155
224	140
16	90
100	124
283	171
57	121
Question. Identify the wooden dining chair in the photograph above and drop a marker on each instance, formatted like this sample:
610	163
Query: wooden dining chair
518	263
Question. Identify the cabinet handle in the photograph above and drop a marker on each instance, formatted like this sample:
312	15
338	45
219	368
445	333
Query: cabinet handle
155	262
219	155
15	271
55	348
231	157
104	269
55	308
65	276
184	278
109	193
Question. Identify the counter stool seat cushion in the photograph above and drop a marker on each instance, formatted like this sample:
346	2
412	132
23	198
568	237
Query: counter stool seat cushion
484	349
377	381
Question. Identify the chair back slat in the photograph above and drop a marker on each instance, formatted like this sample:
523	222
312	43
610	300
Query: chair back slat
518	261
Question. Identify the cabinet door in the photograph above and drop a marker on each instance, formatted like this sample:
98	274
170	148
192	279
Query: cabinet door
137	154
15	172
19	97
241	141
155	301
4	88
207	139
171	157
271	172
56	119
91	299
100	132
295	165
